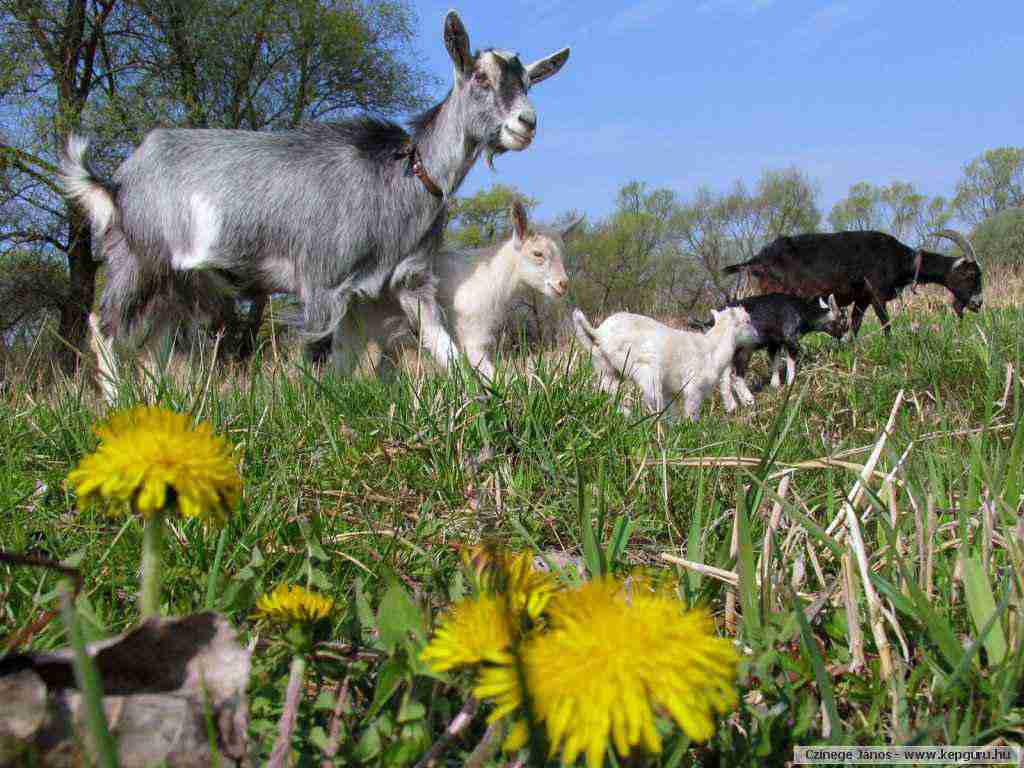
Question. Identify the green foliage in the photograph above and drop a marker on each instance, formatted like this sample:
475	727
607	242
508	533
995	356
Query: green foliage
360	489
717	230
632	258
991	183
483	219
898	209
999	240
32	288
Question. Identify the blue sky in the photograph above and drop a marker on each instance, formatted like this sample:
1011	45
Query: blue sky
683	94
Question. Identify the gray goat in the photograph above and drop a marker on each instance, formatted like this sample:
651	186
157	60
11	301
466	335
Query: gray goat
328	213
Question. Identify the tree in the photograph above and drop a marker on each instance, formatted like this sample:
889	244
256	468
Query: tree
1000	239
59	54
991	183
114	68
631	260
787	201
718	230
483	219
898	209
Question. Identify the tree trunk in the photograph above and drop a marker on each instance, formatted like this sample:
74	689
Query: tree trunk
74	314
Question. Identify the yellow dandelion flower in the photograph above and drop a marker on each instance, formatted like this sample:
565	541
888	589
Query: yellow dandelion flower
290	604
517	737
473	631
512	574
148	455
528	589
609	660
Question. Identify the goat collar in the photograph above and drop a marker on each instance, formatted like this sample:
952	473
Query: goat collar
412	154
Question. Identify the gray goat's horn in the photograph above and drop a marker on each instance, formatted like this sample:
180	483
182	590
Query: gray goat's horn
959	239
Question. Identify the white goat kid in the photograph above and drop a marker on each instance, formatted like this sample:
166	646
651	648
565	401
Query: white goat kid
665	363
476	288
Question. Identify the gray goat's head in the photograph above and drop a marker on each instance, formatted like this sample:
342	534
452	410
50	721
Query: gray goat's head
490	90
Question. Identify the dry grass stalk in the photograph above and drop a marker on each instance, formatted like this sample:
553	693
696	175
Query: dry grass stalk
773	525
929	560
823	462
856	637
894	517
1002	402
853	499
729	577
817	565
860	550
922	554
730	595
988	512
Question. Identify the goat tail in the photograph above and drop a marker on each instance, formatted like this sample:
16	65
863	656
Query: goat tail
585	332
81	184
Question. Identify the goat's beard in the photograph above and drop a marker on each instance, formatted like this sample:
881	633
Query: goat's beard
492	152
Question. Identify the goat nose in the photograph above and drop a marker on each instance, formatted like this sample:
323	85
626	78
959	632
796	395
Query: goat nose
529	119
562	286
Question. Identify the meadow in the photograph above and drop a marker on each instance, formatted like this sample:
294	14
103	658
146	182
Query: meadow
906	629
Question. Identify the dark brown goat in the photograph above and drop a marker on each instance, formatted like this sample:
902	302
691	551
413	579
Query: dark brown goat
863	269
780	321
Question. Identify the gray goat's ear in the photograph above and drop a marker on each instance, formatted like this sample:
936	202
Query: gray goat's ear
821	303
545	68
456	40
520	224
571	228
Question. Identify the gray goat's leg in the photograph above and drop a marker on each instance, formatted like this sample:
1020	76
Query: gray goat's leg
349	342
106	363
421	307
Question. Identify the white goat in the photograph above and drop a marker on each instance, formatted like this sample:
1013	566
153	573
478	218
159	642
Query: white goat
475	289
662	361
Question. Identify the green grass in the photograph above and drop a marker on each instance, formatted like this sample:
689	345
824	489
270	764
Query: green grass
366	491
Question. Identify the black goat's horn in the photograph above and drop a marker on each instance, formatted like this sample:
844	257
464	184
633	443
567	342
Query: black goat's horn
959	239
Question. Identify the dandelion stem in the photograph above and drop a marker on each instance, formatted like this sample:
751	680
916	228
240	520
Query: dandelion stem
90	685
285	726
455	727
211	581
152	543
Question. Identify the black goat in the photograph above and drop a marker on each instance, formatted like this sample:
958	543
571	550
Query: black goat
864	269
780	320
